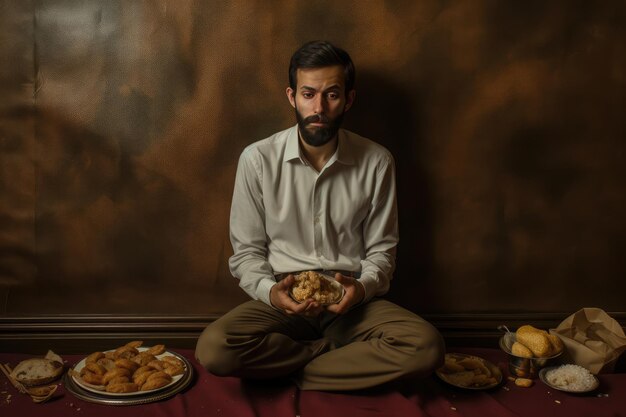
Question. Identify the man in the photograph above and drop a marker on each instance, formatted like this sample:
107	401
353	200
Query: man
317	197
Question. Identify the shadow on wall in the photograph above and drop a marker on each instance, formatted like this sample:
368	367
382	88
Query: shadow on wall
385	111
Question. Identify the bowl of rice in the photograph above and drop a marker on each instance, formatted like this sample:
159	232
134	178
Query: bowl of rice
569	378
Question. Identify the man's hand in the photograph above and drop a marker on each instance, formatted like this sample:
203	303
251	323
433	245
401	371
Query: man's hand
280	299
355	292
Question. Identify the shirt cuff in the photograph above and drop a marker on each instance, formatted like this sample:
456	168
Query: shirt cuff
370	285
263	290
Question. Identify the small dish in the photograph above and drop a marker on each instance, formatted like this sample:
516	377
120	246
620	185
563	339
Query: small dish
465	378
521	367
305	282
543	376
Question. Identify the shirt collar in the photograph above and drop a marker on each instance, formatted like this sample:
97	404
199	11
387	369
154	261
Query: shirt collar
342	155
344	152
292	150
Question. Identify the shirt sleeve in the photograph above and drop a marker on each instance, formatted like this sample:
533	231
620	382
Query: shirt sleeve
380	234
247	231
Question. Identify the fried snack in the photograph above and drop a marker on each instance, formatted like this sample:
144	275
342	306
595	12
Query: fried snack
523	382
91	378
172	366
156	380
463	378
125	369
154	384
143	358
135	343
466	372
310	284
123	387
159	375
534	339
96	368
107	363
114	373
450	366
125	352
470	363
144	369
156	350
141	378
557	344
173	370
94	357
119	380
128	364
520	350
173	361
157	364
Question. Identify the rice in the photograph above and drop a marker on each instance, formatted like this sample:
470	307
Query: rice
571	377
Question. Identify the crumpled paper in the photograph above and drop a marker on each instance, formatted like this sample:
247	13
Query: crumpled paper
592	339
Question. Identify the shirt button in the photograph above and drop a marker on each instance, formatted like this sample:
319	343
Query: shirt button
316	220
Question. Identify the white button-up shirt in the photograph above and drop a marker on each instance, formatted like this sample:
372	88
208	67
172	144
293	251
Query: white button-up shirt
286	216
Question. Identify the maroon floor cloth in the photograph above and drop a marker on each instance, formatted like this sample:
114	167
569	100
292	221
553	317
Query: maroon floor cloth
231	397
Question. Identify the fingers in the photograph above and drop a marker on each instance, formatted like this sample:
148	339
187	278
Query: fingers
281	299
339	308
354	294
313	309
309	308
286	283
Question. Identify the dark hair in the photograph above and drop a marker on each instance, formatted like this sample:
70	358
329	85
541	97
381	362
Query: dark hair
319	54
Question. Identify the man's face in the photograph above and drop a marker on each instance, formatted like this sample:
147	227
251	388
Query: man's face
320	102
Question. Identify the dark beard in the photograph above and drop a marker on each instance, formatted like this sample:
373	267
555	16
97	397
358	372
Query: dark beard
318	136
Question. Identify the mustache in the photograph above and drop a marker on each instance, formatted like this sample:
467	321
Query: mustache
316	118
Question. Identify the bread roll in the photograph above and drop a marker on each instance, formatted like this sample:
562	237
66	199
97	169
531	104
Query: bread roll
523	382
534	339
37	371
556	343
520	350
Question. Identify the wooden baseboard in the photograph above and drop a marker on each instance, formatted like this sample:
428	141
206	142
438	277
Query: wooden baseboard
75	334
85	333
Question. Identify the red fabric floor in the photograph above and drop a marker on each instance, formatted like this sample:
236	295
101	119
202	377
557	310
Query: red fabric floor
231	397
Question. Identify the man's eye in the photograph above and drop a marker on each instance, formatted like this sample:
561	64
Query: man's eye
307	95
332	96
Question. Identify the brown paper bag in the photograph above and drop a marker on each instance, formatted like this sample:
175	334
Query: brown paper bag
592	339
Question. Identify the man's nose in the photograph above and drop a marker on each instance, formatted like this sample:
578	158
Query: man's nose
319	104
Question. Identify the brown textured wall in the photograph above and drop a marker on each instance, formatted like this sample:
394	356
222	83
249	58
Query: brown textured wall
121	124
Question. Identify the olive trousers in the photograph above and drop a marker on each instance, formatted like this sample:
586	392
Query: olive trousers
372	344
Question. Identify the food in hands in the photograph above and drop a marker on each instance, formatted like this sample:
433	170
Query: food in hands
310	284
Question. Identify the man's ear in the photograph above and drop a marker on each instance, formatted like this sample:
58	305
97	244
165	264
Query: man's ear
291	95
350	99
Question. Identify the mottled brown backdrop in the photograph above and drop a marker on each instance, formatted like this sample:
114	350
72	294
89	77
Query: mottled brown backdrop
121	123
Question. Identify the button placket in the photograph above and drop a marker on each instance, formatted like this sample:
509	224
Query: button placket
318	234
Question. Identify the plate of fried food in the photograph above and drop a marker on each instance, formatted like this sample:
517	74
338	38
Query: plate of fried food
129	370
319	287
469	372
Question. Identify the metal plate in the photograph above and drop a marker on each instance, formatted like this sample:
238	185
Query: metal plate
544	379
93	397
493	369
